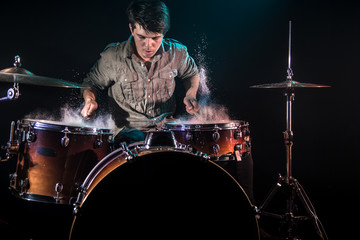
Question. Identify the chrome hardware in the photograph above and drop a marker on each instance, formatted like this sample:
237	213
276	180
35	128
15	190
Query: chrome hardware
98	142
216	136
129	154
30	136
160	138
189	148
58	189
238	134
12	178
237	150
12	145
23	185
17	62
216	149
238	147
65	140
204	156
189	136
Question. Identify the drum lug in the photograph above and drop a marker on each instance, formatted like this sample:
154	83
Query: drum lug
30	136
216	149
216	136
98	143
189	136
65	140
238	134
58	189
189	148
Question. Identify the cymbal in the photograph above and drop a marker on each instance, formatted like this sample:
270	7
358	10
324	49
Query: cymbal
289	84
21	75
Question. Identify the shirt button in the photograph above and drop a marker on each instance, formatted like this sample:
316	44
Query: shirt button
149	96
125	79
148	79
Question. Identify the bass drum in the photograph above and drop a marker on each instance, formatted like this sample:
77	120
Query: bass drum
163	193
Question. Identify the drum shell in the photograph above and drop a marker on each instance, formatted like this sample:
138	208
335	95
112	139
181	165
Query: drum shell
214	139
50	171
161	193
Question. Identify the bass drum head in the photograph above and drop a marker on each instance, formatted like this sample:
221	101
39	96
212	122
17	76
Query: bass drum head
166	194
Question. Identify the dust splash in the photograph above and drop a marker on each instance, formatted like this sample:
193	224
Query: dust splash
72	117
210	112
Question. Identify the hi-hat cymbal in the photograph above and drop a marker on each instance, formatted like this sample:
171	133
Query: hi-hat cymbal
289	84
21	75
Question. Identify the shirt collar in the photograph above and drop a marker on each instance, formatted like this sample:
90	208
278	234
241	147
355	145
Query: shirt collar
131	49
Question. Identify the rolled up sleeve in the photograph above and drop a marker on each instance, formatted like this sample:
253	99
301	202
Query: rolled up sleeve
100	75
188	67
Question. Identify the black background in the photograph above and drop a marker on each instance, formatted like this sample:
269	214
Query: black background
243	43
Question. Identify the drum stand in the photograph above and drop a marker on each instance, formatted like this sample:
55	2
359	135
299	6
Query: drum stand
291	186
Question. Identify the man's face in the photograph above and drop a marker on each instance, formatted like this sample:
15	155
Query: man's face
147	43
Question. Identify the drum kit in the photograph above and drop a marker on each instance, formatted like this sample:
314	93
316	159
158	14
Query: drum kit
168	184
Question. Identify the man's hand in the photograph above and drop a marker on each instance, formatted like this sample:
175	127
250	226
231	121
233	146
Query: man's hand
191	105
89	110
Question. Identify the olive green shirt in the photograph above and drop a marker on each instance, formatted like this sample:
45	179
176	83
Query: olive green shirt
138	97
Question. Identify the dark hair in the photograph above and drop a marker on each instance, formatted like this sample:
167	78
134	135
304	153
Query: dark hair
152	15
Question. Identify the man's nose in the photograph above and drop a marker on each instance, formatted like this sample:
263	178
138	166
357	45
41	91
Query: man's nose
147	42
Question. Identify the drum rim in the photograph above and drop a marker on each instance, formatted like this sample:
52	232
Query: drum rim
56	126
121	153
234	124
83	191
136	148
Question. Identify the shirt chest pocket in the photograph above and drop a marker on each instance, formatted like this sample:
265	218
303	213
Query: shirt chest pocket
167	83
131	87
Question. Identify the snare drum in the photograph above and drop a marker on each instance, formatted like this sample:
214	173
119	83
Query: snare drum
163	192
54	159
221	141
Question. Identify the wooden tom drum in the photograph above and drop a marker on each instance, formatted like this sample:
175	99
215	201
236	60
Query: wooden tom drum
227	140
53	159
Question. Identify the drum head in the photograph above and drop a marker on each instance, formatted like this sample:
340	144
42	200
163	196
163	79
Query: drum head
166	194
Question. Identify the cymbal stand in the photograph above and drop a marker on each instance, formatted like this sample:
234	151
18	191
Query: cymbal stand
292	187
13	93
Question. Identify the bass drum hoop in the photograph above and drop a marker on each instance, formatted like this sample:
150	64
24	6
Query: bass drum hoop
116	163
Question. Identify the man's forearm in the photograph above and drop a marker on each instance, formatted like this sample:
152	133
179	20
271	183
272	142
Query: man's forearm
192	85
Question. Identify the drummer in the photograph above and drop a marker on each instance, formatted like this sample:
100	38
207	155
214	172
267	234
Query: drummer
139	74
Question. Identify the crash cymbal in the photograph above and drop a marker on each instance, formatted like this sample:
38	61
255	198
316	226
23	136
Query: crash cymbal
17	74
23	76
289	84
